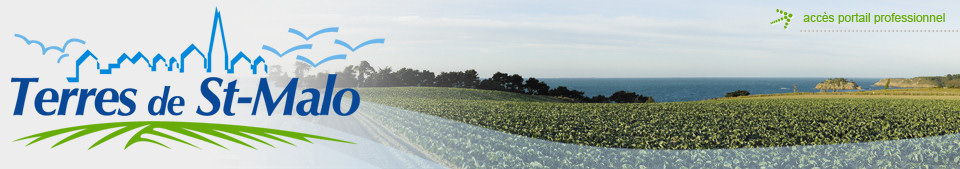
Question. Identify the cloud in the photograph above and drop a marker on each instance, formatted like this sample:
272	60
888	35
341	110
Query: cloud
551	38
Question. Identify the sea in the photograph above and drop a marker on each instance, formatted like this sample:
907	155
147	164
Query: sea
694	89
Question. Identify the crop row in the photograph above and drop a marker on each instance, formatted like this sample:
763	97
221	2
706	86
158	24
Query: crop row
460	145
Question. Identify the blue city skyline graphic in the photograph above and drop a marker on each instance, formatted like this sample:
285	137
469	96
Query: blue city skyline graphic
174	63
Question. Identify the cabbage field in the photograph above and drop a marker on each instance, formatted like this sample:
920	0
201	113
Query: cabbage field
713	124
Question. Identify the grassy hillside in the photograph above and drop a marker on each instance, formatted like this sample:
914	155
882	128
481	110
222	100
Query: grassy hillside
758	121
949	81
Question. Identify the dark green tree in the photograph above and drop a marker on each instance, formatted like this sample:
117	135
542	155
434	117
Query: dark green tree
468	79
514	83
536	87
384	77
562	91
738	93
407	77
887	86
497	82
363	70
626	97
599	99
426	78
347	77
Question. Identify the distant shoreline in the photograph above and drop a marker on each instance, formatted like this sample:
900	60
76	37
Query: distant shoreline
695	89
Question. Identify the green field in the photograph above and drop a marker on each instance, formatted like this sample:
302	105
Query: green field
756	121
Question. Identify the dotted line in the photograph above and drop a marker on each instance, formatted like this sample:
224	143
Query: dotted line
881	30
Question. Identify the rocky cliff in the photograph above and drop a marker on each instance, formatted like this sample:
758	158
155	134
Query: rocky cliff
838	84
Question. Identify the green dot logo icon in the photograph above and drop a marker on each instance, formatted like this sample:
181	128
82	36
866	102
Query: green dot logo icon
785	18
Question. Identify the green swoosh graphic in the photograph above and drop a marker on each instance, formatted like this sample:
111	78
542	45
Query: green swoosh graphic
189	129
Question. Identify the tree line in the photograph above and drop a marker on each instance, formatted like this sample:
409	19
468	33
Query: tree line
364	75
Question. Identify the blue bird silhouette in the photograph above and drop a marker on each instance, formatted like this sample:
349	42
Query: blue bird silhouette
295	48
62	56
354	49
44	49
334	57
306	38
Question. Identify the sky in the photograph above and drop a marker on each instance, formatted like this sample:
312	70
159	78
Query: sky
544	39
